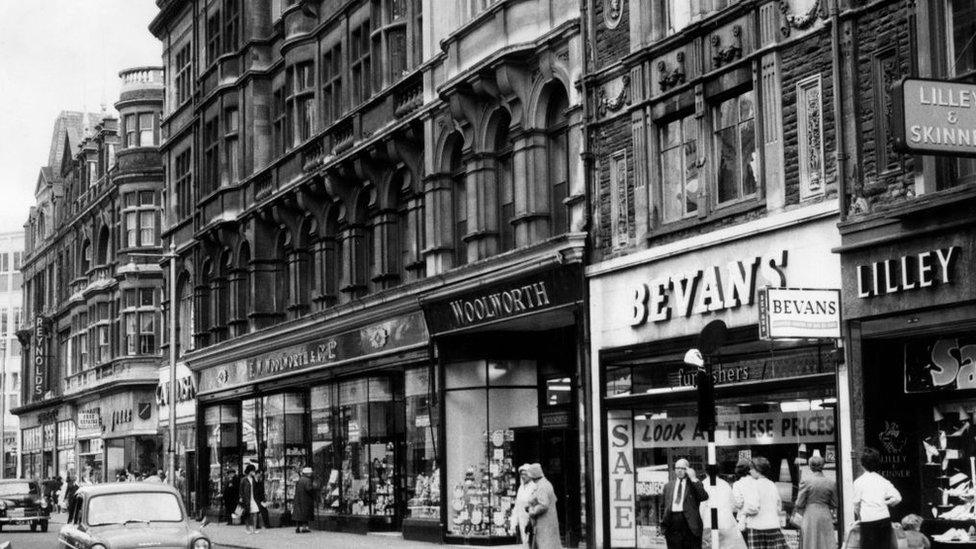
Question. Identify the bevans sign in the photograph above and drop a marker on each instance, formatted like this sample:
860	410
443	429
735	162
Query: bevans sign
678	294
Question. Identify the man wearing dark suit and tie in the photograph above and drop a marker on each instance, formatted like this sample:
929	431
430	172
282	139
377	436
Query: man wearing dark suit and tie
682	523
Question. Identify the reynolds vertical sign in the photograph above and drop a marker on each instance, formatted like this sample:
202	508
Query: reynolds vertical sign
39	379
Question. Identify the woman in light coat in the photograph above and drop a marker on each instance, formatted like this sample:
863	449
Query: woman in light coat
542	511
721	494
817	501
522	497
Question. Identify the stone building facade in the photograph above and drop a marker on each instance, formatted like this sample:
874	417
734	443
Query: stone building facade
380	220
91	333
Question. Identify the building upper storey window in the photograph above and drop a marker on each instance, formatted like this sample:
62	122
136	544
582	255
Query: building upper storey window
213	36
360	63
183	82
332	84
140	214
737	161
678	139
232	25
300	101
183	184
140	130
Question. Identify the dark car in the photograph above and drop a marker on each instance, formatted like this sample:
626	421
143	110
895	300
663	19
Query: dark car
21	502
130	515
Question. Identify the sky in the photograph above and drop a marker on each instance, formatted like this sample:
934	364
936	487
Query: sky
59	55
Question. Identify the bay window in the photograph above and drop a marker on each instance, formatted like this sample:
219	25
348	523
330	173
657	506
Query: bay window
140	130
183	182
300	102
184	74
737	160
279	126
139	212
211	160
678	142
139	321
232	145
359	61
213	37
332	85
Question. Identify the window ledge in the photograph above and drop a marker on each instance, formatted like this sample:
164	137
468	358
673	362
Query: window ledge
716	215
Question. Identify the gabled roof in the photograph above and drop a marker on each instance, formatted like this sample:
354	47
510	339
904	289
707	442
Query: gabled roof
70	126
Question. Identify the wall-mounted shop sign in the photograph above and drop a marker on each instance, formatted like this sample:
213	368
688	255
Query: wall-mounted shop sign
503	300
675	295
907	273
89	420
763	367
788	313
935	117
946	364
39	378
620	432
396	333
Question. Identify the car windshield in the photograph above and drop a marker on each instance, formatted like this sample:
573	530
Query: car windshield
17	488
134	507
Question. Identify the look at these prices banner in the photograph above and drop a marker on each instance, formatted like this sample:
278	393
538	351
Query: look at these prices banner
797	313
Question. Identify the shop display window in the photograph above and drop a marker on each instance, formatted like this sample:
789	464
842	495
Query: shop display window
354	446
284	427
222	424
785	427
90	460
249	431
491	412
423	473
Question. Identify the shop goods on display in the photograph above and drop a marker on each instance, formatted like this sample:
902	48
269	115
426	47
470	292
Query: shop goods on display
483	501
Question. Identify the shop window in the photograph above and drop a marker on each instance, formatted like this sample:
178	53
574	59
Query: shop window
678	142
651	433
222	455
354	447
735	148
283	424
420	462
491	423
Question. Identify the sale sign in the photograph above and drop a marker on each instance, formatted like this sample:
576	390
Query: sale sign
620	429
946	364
739	430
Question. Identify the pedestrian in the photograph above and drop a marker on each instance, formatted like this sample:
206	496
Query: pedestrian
525	490
873	495
914	538
542	511
261	497
69	496
817	502
248	505
729	535
744	495
763	525
232	492
682	523
303	506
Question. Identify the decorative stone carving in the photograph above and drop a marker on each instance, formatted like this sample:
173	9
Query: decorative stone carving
809	116
673	76
613	11
617	102
722	56
799	22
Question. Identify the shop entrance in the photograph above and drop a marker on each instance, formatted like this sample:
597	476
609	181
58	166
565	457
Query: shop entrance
557	450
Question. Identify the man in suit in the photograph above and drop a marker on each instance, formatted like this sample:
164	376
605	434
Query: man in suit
682	523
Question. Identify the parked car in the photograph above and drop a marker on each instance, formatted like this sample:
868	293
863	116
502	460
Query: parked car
22	502
125	515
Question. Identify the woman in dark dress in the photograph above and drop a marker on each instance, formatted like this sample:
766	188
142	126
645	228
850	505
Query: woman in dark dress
817	502
303	506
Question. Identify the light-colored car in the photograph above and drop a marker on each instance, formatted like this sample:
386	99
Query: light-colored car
126	515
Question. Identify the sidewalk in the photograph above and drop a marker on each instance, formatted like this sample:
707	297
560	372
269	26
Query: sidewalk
235	537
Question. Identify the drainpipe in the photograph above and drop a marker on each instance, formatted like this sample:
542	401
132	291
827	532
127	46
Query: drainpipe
593	536
840	153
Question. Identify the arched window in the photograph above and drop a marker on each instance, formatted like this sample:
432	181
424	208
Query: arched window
241	292
282	289
459	199
86	256
203	305
504	180
557	153
184	326
103	246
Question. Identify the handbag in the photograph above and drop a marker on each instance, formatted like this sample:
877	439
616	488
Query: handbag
238	513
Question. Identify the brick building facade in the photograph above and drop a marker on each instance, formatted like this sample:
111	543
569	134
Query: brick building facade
91	331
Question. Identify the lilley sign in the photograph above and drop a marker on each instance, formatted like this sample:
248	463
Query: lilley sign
934	117
907	273
714	288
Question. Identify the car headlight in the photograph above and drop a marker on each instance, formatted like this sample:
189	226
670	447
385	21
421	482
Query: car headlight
201	543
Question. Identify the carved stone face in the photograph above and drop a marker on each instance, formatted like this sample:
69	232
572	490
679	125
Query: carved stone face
612	10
